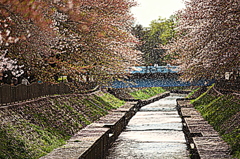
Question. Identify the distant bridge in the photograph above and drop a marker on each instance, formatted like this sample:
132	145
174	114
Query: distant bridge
159	76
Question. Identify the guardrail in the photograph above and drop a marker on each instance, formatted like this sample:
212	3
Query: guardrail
11	94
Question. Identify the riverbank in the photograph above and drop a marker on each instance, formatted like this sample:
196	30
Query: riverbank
222	111
94	140
34	128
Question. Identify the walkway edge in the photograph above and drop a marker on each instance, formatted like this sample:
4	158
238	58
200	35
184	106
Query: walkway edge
94	140
203	141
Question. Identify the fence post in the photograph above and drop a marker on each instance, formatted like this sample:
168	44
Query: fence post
13	94
34	89
1	95
31	93
44	89
6	94
40	90
21	92
62	87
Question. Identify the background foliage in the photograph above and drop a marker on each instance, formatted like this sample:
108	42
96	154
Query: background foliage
153	39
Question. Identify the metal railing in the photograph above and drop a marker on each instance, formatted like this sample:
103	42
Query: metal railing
11	94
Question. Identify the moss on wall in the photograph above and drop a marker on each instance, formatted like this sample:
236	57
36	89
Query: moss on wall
223	113
33	129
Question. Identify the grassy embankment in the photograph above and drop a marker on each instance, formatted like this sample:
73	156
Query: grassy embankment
223	113
33	129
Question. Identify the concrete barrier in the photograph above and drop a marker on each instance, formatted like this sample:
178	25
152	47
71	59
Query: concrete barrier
203	141
93	141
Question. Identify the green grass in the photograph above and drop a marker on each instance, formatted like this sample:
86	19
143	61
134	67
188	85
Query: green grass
147	92
112	100
21	145
233	138
219	111
37	129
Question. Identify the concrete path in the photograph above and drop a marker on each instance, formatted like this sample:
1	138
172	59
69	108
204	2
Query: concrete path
155	132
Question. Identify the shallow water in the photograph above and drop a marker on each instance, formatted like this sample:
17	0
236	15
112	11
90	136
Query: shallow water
155	132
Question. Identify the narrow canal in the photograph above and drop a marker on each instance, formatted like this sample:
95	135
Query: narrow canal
155	132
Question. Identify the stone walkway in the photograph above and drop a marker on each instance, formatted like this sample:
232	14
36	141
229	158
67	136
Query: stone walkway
154	132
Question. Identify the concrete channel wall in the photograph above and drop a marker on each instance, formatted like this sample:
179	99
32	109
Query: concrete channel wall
94	140
204	142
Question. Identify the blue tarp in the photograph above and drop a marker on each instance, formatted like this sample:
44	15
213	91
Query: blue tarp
170	80
152	82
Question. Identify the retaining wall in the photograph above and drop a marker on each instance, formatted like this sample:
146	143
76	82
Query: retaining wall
204	142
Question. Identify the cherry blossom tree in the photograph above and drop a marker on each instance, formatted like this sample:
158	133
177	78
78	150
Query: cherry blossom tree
9	69
207	44
69	37
102	40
